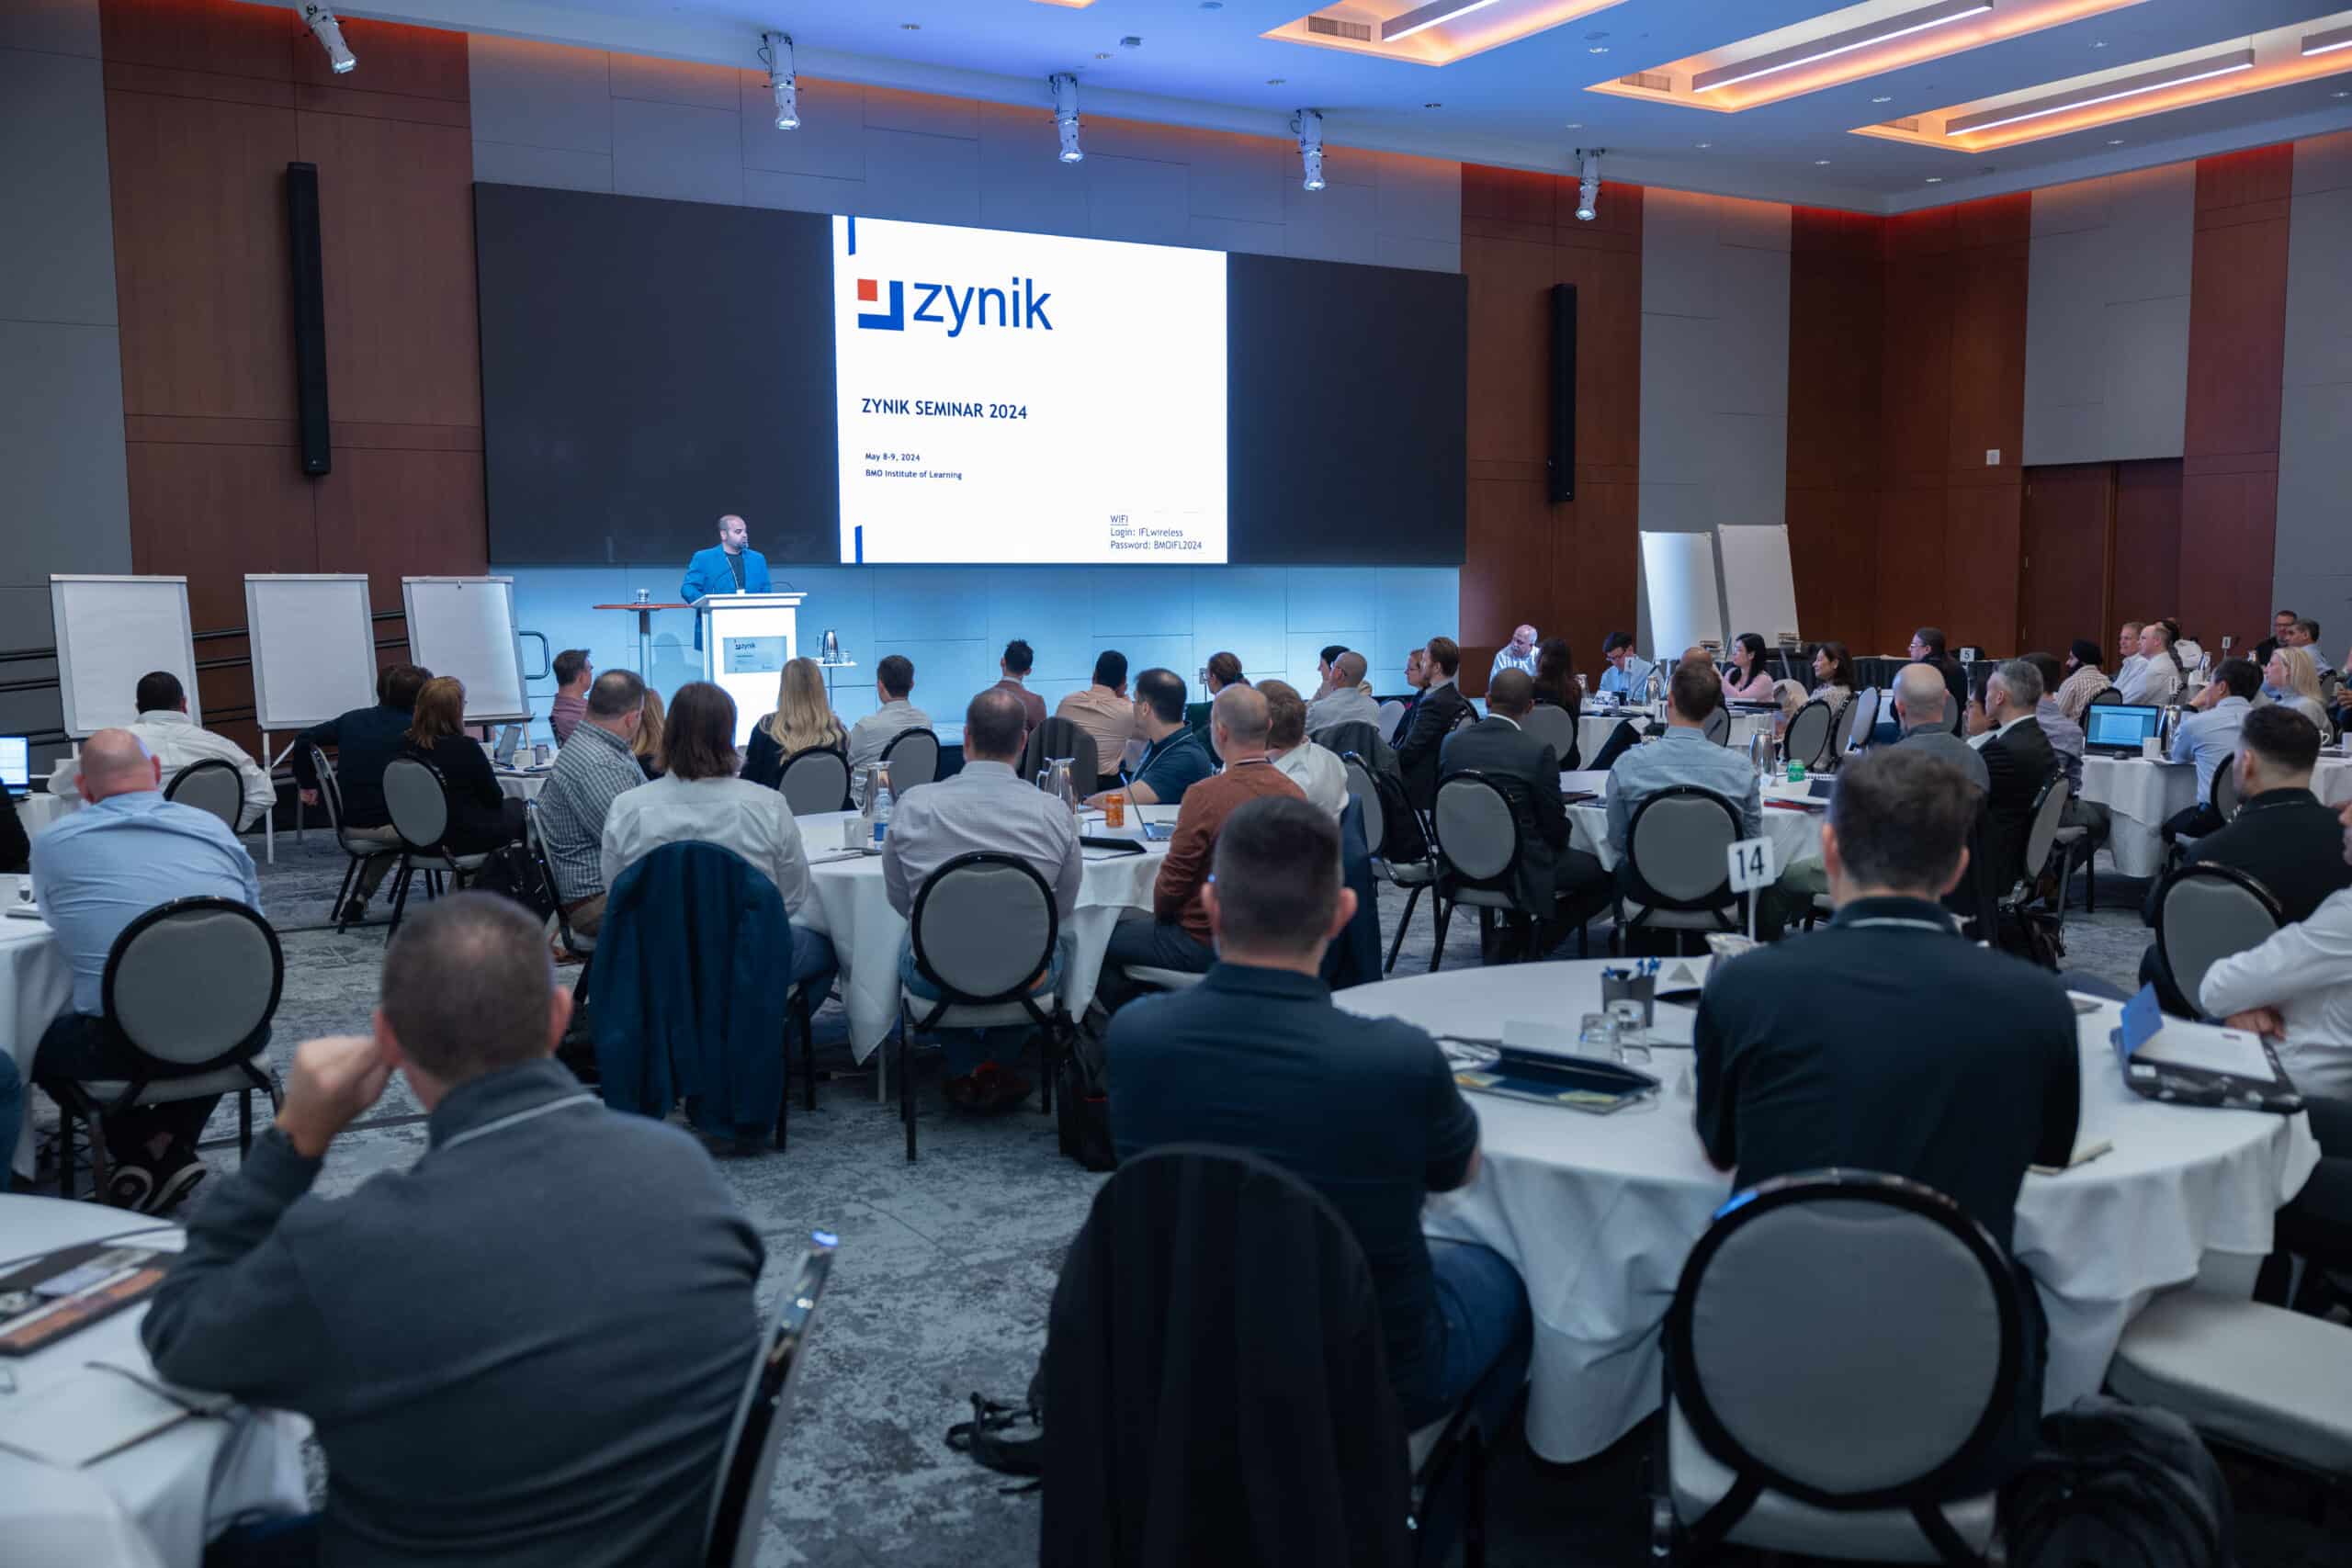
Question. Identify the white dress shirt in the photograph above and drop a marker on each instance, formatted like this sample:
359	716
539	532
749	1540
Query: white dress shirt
1317	771
2150	683
177	742
985	807
2305	971
735	814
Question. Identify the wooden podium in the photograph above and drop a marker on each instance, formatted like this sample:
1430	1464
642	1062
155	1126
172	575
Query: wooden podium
747	638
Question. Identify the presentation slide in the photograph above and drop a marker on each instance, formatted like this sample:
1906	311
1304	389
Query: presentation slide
1027	398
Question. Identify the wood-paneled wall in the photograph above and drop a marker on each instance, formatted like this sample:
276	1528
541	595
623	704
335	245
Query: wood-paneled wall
207	103
1569	569
1837	352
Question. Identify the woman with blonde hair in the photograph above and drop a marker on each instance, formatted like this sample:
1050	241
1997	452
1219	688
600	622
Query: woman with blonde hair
480	817
803	720
2294	674
647	747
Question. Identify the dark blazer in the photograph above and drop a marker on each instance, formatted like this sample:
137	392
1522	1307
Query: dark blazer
1405	721
1500	749
2018	763
2285	840
363	740
1434	717
477	805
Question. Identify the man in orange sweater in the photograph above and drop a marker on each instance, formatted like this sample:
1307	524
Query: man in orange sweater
1175	933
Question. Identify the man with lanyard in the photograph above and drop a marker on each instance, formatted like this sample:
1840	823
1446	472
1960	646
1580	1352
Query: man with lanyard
1800	1068
1174	760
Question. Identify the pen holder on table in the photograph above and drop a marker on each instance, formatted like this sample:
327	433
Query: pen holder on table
1641	988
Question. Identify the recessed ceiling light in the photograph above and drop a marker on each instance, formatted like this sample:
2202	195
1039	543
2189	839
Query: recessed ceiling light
2105	92
1576	125
1101	57
1935	15
1598	48
911	26
2327	42
2341	94
2099	43
1277	81
2115	141
1704	145
1935	179
1821	162
1883	98
1432	106
1420	18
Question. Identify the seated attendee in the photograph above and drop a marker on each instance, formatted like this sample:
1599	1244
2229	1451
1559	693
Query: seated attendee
1796	1073
481	816
2292	679
893	677
2128	657
2306	637
2084	680
572	673
1555	677
1628	674
2297	985
1684	755
803	721
1931	646
2208	735
2282	836
2281	626
2158	678
1565	886
1018	660
1174	934
1105	712
173	740
699	798
1749	682
1441	708
647	747
1790	696
1833	675
1346	702
364	740
1518	654
1920	701
986	806
1315	770
1327	675
2018	761
1222	670
1237	1059
1417	681
2066	739
95	870
594	769
1174	758
440	1325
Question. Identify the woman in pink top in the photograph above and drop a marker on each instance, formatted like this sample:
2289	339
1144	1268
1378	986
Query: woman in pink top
1748	682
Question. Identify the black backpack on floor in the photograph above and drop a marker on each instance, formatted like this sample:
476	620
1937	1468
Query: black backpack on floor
2118	1485
1082	1101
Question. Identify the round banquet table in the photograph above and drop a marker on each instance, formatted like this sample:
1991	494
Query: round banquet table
35	986
518	784
1594	727
154	1504
2142	795
1599	1213
866	932
1795	832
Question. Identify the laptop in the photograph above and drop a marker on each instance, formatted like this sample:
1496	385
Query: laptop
2117	730
15	762
510	741
2183	1063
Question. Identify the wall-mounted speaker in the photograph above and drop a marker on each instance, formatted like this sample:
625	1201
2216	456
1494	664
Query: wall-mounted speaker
1562	457
310	316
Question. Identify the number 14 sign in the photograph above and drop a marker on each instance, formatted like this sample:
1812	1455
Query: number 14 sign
1755	864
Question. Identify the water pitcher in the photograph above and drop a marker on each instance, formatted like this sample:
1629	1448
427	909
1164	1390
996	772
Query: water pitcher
1053	778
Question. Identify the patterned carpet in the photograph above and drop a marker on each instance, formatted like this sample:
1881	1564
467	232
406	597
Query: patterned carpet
946	1267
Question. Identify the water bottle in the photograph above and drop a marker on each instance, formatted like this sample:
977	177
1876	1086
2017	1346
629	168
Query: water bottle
1760	754
879	812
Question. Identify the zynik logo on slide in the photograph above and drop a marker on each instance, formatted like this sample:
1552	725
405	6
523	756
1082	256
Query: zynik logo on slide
1020	304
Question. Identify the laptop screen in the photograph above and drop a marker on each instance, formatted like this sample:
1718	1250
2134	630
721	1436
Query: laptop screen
2119	724
15	762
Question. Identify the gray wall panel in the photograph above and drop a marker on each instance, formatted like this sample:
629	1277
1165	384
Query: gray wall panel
2311	564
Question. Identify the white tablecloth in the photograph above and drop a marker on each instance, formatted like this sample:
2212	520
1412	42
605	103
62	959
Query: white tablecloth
517	785
867	932
1599	1213
1795	835
35	986
154	1504
2142	795
1594	729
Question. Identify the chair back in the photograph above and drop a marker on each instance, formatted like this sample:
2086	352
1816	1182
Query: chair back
1808	740
1554	727
1361	786
330	793
1841	738
417	798
1356	735
1401	840
535	847
1477	830
1677	846
1059	737
747	1463
2105	695
2041	830
913	759
213	785
1864	719
814	781
2205	912
1848	1338
983	927
2224	794
1718	725
1390	712
194	981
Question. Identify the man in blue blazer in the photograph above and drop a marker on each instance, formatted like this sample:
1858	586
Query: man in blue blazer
727	567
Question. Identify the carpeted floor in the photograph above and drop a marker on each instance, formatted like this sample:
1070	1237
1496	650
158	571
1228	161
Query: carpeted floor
945	1268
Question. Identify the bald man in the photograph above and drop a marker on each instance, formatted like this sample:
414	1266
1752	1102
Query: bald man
1517	654
731	566
1347	702
94	873
1175	934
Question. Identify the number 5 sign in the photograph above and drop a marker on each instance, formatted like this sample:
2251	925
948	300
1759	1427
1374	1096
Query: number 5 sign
1755	864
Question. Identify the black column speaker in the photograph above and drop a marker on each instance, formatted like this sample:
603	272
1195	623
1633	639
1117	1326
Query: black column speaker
310	316
1561	458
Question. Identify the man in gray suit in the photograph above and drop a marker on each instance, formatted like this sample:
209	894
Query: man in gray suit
1550	872
1920	707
